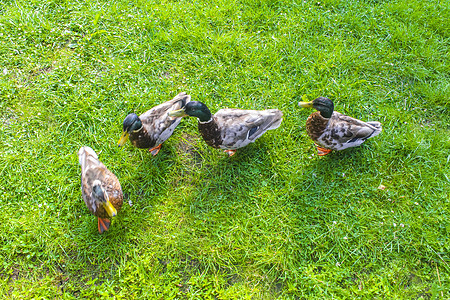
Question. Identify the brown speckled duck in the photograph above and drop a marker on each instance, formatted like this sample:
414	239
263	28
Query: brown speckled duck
230	129
331	130
100	188
153	127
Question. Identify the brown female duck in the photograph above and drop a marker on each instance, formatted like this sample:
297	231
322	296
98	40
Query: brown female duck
100	188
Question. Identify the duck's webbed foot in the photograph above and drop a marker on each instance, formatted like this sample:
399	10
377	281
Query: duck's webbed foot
103	224
230	152
322	151
155	150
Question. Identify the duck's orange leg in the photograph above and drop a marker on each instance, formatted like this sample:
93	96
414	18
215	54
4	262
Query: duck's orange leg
155	150
103	225
230	152
322	151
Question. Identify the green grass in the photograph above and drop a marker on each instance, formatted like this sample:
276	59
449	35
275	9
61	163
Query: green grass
274	221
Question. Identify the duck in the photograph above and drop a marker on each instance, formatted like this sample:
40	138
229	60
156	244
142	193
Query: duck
230	129
153	127
331	130
100	188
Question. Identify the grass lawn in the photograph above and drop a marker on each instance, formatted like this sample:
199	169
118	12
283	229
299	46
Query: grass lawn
274	221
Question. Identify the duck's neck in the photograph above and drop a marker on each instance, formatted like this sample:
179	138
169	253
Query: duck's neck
326	114
204	116
210	132
315	125
141	139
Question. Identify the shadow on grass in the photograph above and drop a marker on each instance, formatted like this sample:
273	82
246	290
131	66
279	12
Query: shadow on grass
227	195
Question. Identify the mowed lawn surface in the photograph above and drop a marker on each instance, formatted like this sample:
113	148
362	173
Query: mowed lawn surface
274	221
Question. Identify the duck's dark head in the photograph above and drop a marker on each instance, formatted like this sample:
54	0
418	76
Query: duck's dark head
193	109
100	196
130	124
322	104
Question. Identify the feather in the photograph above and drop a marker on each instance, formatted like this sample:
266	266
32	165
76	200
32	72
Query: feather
95	173
157	125
332	130
236	128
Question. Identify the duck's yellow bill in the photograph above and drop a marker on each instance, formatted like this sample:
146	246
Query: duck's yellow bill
110	209
178	113
123	139
305	104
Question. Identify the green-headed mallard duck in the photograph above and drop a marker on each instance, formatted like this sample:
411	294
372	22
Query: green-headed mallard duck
153	127
230	129
100	188
331	130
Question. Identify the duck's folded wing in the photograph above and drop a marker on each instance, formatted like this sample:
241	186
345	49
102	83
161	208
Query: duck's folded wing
348	131
157	120
245	126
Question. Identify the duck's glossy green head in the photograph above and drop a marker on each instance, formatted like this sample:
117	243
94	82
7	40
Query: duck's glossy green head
193	109
130	124
322	104
100	196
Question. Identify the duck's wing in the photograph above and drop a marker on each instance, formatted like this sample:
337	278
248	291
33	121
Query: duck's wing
241	127
158	123
344	132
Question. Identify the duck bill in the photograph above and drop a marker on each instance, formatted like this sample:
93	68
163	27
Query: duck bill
178	113
110	209
305	104
123	139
